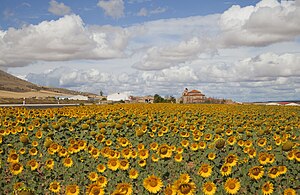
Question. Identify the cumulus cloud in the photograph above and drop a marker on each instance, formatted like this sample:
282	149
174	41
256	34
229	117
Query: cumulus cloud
145	12
112	8
59	40
157	58
59	9
266	23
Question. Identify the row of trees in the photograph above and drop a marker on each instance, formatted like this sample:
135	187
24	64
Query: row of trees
159	99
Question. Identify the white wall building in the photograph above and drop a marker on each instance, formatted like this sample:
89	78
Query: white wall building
78	97
117	97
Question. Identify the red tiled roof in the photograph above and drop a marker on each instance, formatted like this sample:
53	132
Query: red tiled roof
194	91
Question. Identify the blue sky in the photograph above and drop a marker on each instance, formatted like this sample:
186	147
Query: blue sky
241	50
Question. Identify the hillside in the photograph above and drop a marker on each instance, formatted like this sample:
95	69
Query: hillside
11	86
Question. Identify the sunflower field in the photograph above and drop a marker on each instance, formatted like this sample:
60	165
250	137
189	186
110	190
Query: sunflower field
170	149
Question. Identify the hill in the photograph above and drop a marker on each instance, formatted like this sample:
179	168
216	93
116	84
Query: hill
14	87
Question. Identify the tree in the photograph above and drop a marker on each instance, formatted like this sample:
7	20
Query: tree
158	99
101	93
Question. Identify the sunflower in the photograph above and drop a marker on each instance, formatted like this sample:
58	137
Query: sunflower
54	187
33	151
169	190
267	188
178	157
49	163
241	143
263	158
39	134
184	188
289	191
124	164
251	152
19	185
113	164
179	150
94	189
72	190
208	136
211	156
33	164
153	184
143	154
93	176
282	169
68	162
185	177
102	181
209	188
164	151
13	157
231	160
290	155
256	172
231	140
232	186
297	155
261	142
226	170
16	168
202	145
124	188
133	153
133	173
271	158
273	172
185	143
126	153
22	150
142	163
35	143
154	146
140	146
55	147
194	146
205	170
95	153
63	152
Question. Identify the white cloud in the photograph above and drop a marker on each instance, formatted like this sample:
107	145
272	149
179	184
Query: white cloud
112	8
157	58
145	12
59	9
266	23
73	40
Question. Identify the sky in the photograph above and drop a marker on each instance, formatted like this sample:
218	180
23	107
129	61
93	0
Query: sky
244	50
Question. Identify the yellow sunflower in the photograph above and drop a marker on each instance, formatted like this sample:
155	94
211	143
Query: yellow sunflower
126	153
184	188
164	151
178	157
169	190
185	143
202	145
261	142
226	170
282	169
142	163
124	188
72	190
68	162
49	163
154	146
16	168
33	164
194	146
13	157
231	160
124	164
273	172
267	188
209	188
256	172
54	187
63	152
289	191
153	184
101	168
93	176
102	181
143	154
232	186
205	170
133	173
263	158
211	156
33	151
113	164
94	189
184	177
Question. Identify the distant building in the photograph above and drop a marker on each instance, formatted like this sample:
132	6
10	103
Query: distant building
192	97
78	97
143	99
115	97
